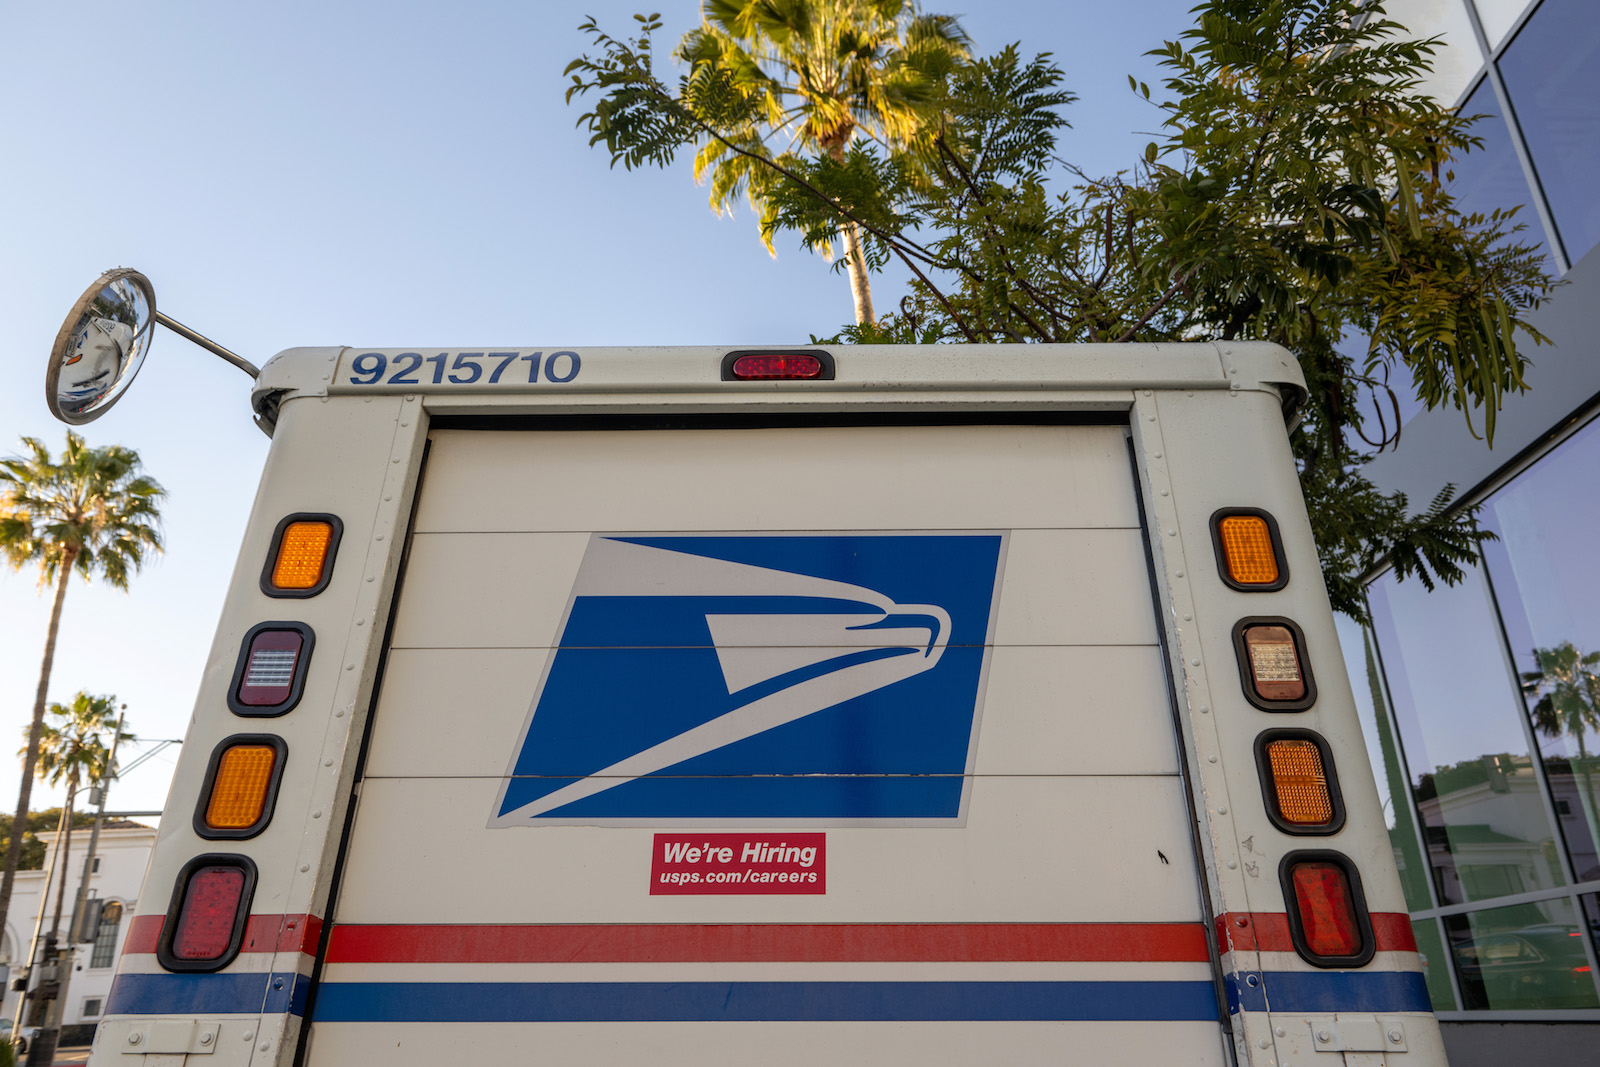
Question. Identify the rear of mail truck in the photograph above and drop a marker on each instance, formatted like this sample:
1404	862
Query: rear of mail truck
794	706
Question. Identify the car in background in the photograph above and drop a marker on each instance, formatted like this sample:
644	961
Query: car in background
23	1038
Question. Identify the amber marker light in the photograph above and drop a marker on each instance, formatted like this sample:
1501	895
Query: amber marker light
1297	777
301	560
241	786
1249	551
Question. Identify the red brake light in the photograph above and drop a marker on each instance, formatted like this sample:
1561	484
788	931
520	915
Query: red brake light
207	918
777	366
1330	919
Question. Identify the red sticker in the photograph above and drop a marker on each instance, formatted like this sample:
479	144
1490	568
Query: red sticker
738	863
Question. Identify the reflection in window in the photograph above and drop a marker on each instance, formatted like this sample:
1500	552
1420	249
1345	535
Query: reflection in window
1483	817
1491	177
1384	754
1547	580
1591	921
1551	70
1434	962
1528	957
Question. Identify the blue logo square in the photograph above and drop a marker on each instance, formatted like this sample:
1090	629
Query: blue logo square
808	679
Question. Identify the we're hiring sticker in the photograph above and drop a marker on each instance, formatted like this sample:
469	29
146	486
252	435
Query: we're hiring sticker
684	864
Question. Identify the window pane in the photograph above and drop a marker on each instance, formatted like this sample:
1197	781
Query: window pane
1528	957
105	944
1491	177
1459	59
1547	579
1434	963
1552	74
1384	755
1461	728
1497	17
1591	920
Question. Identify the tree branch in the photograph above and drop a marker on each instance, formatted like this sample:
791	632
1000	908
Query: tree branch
1161	302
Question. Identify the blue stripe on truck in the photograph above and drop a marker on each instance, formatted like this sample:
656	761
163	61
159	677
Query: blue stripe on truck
490	1002
1327	991
257	993
245	993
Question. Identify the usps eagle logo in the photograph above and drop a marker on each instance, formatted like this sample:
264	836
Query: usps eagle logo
732	679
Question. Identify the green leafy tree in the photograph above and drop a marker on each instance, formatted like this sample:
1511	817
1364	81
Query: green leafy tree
1298	193
1567	684
41	822
789	82
74	749
92	511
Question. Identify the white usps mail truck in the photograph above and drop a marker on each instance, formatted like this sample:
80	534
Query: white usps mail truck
794	706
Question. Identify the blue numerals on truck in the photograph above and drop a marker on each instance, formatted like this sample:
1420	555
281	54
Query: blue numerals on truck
413	368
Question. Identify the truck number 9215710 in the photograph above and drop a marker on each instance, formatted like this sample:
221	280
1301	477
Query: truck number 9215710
463	368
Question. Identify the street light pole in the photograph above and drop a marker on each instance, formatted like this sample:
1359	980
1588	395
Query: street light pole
43	1048
38	923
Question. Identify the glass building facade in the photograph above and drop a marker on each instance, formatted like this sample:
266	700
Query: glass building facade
1481	707
1481	701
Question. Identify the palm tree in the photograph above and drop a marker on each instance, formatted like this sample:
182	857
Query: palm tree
1568	686
73	749
92	511
825	72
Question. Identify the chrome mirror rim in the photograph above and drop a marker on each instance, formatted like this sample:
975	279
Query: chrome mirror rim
68	329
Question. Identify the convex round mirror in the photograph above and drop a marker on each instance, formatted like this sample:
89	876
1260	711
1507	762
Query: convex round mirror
101	346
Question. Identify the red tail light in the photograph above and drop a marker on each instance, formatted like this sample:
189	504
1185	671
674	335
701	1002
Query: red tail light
1327	915
206	919
777	366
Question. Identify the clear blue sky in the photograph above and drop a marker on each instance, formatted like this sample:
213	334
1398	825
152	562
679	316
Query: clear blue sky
383	174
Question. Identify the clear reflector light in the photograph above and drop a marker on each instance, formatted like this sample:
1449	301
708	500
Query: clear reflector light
1299	782
777	366
1327	909
1274	663
302	555
204	930
269	671
239	790
1248	550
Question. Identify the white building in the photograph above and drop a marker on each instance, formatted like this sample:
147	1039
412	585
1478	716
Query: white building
121	858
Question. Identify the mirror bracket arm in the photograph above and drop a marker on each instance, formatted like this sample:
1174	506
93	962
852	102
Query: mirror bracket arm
208	344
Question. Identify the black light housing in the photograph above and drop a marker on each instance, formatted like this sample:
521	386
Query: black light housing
210	906
1274	670
757	365
271	672
1328	919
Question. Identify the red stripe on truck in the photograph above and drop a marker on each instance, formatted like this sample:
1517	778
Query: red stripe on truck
262	933
1266	931
769	942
